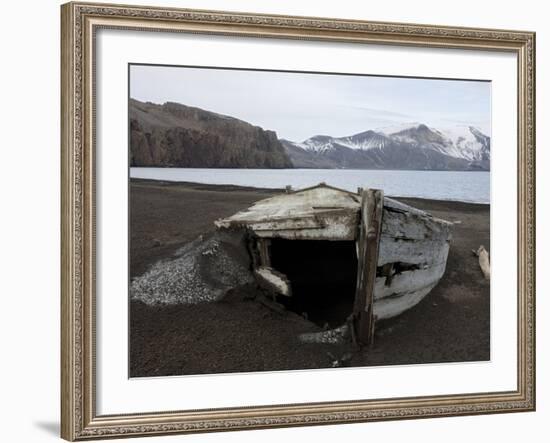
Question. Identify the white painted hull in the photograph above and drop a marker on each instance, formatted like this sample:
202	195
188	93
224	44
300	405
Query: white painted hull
410	237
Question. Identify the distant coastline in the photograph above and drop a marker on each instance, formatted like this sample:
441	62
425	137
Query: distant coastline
176	135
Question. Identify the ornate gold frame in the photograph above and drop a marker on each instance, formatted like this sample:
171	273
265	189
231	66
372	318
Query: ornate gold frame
79	23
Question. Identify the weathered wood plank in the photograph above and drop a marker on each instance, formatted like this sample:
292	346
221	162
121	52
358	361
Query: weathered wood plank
273	281
408	281
253	251
341	226
369	238
387	272
263	250
299	203
390	203
484	263
425	252
310	222
391	306
342	233
414	226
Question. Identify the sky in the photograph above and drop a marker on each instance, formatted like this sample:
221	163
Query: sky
299	105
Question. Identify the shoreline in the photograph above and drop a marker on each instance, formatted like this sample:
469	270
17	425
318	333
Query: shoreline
328	169
231	187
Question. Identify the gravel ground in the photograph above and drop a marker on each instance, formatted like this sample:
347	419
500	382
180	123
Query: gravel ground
239	333
201	271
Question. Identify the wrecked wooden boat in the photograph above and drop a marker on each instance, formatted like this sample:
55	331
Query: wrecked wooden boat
358	255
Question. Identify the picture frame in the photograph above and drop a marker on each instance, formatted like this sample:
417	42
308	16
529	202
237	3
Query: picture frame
81	22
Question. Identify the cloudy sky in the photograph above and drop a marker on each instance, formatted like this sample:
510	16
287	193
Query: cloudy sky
298	106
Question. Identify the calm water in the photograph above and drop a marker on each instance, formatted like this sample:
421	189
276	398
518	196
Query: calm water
438	185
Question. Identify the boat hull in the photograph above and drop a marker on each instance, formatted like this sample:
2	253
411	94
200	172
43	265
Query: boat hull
412	257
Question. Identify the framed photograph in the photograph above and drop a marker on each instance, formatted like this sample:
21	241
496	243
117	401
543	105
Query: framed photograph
282	221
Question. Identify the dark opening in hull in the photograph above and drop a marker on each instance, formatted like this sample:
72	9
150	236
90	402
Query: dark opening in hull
323	277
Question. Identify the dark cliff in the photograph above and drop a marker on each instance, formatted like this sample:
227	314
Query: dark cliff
175	135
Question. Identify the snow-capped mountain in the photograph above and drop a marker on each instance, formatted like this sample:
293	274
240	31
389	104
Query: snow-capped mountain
362	141
415	146
469	142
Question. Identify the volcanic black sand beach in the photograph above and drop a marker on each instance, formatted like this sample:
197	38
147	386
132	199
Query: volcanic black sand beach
240	334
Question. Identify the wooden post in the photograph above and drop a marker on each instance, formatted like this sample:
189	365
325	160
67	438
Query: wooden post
372	205
263	249
252	250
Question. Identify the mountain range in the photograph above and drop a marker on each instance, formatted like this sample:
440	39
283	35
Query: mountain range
173	134
410	146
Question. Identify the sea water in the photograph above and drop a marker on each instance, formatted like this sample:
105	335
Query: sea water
438	185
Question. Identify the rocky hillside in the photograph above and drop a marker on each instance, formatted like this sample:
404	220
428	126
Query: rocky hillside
416	146
175	135
182	136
